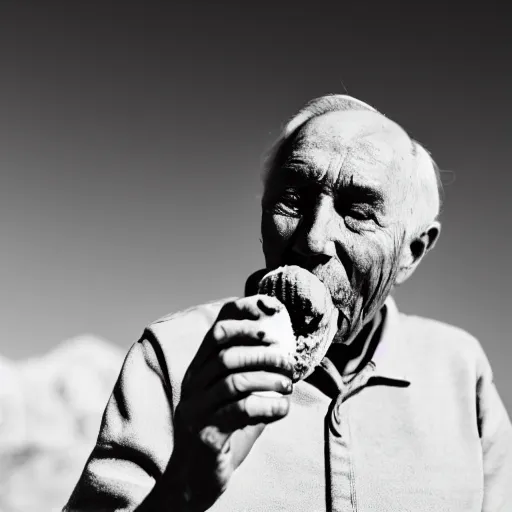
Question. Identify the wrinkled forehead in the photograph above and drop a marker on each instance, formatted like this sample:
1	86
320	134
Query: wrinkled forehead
359	140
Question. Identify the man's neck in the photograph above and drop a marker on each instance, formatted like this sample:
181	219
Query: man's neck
350	359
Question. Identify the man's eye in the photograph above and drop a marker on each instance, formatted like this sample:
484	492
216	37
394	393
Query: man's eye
289	203
359	214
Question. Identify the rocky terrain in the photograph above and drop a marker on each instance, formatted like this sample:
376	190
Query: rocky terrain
50	413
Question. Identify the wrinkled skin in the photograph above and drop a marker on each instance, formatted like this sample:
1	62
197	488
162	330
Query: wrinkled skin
338	203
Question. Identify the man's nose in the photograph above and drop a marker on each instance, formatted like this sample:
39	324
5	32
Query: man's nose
316	237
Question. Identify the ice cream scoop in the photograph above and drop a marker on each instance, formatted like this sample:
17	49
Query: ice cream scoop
311	311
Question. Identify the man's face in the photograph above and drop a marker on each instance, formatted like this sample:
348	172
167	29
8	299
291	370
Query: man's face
335	205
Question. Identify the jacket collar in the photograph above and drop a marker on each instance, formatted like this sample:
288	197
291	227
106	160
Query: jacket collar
390	356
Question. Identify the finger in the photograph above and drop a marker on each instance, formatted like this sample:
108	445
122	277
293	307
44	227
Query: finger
195	408
247	308
250	308
237	359
250	410
237	385
231	310
223	334
242	332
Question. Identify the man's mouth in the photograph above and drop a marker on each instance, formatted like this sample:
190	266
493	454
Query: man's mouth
341	295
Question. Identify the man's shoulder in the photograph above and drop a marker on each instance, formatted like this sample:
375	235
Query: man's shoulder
182	325
178	335
206	311
431	339
435	330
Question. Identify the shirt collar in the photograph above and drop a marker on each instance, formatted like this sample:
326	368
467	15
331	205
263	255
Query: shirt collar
388	364
390	357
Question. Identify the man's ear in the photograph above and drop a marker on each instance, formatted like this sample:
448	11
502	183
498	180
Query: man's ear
414	253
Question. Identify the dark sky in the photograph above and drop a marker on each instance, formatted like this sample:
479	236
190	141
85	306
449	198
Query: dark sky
132	137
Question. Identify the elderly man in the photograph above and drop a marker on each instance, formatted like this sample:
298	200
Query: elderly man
400	415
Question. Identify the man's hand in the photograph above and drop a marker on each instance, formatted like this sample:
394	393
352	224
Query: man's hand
221	413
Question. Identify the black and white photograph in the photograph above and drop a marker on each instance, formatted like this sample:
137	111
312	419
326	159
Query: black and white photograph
255	256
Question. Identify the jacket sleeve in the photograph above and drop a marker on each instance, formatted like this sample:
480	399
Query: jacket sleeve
496	437
135	439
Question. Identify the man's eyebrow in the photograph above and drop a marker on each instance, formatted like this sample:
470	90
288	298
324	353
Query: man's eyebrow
361	192
296	164
299	169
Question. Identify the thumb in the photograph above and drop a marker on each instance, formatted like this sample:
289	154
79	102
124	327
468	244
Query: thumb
241	442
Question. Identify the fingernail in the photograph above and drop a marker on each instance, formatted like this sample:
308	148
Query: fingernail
286	385
226	448
282	406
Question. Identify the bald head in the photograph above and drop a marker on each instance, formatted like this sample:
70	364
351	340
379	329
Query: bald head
364	136
425	187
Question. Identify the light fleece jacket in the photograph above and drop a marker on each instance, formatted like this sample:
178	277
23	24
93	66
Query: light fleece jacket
421	428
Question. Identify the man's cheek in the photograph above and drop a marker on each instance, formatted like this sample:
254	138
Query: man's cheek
383	275
372	271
